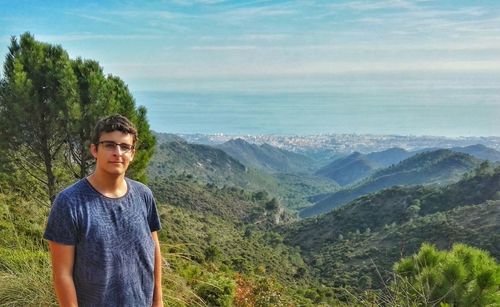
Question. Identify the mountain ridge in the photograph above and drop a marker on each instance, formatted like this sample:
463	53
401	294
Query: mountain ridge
440	166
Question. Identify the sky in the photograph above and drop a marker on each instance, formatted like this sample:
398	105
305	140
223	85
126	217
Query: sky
272	46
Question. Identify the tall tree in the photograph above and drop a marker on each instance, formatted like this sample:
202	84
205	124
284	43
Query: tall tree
49	105
120	97
37	92
92	103
100	96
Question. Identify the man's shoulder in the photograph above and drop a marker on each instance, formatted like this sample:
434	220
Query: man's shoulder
138	187
75	188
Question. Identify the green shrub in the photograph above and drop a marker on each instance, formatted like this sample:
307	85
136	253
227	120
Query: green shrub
464	276
217	290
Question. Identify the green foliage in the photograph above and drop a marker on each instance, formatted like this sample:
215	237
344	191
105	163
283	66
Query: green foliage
37	92
217	290
340	251
120	97
268	158
100	96
230	203
296	190
92	103
464	276
213	166
438	167
49	105
212	240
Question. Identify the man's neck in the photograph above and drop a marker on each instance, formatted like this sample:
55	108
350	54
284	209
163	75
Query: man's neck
109	185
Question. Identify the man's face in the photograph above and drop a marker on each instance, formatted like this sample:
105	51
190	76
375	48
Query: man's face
112	158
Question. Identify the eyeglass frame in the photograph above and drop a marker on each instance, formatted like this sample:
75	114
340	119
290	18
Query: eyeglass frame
128	147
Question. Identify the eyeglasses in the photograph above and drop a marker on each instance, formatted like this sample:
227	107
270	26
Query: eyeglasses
111	146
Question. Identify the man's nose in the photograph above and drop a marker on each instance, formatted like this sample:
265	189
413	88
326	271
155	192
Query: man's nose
118	150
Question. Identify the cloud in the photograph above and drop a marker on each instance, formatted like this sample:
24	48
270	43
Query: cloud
320	69
87	36
95	18
373	5
252	13
148	14
223	48
263	37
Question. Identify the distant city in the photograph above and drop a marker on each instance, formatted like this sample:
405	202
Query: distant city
346	143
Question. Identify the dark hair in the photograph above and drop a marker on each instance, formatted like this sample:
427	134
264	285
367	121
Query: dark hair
114	123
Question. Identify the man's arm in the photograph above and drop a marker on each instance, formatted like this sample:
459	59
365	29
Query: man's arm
157	294
63	257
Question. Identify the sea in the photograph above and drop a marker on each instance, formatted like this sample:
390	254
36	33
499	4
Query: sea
437	111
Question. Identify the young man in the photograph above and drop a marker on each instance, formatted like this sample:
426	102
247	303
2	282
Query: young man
102	230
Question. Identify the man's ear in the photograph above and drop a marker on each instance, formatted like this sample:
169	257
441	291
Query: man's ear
93	150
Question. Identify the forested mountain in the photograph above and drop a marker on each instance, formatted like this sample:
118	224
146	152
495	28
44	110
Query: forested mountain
162	138
357	166
348	169
212	165
267	157
229	203
479	151
203	162
436	167
389	156
384	226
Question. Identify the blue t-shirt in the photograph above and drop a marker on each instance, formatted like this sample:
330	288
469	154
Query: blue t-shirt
114	250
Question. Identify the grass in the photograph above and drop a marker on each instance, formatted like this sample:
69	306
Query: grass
25	278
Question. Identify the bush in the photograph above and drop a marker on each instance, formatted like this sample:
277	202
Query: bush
464	276
217	290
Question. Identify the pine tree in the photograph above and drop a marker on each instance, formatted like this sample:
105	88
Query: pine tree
464	276
36	93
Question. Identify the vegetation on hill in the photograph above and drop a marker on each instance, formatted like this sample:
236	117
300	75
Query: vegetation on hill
357	166
230	203
362	240
480	151
162	137
213	166
389	156
298	190
267	157
436	167
349	169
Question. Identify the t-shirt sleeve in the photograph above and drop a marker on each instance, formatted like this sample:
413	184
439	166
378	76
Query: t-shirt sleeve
153	218
61	225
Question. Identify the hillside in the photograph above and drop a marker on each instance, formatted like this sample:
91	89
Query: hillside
162	138
207	164
349	169
357	166
389	156
298	190
229	203
480	151
357	258
392	223
436	167
267	157
212	165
